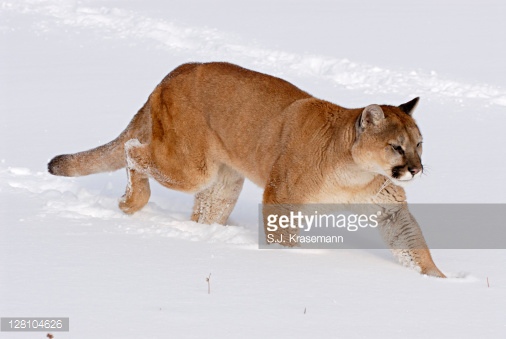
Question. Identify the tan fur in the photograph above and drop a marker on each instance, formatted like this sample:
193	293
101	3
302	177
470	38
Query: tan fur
207	126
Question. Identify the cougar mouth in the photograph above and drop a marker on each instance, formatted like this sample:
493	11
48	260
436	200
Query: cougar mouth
396	173
406	177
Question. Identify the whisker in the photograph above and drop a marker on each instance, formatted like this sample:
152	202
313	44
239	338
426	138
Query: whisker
426	170
385	184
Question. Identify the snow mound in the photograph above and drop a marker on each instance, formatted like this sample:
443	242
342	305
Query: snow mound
65	198
211	43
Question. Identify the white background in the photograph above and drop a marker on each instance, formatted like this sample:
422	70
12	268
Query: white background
73	73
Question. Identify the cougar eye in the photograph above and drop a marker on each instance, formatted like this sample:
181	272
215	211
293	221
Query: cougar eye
398	149
419	144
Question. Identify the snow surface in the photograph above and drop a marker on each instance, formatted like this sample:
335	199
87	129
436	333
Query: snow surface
73	73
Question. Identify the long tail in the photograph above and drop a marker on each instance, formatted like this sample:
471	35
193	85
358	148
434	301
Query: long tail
105	158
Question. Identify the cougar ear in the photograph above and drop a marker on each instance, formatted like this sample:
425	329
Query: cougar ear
410	106
371	116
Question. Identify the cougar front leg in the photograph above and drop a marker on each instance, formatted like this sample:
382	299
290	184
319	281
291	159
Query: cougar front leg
215	203
403	235
279	201
137	191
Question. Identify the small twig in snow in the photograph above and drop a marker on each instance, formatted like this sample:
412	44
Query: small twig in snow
488	285
208	279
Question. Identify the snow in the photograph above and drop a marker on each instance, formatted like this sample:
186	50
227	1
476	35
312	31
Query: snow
73	73
126	24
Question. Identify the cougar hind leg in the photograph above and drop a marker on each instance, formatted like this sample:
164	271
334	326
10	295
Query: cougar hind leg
192	177
138	191
215	203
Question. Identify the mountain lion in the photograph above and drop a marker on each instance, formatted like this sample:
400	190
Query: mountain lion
207	126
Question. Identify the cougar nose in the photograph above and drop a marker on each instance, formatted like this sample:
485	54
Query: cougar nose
414	170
